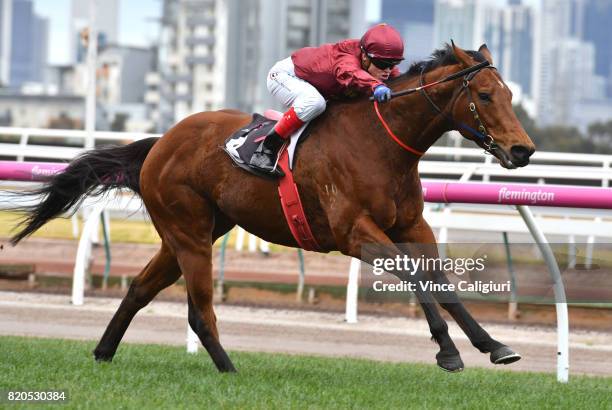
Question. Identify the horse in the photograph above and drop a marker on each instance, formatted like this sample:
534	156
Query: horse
357	179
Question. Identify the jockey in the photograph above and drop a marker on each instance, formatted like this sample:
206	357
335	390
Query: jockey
311	75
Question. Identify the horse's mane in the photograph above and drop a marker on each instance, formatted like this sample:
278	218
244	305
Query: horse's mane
439	58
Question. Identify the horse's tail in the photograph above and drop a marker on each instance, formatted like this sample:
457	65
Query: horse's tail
92	173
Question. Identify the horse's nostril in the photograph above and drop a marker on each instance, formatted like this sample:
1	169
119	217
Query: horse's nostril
521	152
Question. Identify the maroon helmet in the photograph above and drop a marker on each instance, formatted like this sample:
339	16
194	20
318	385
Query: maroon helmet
383	42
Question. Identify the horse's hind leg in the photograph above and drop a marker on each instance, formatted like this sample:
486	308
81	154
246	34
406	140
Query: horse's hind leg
189	225
197	268
197	324
160	272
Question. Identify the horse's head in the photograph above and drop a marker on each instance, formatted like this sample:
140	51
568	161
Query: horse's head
484	104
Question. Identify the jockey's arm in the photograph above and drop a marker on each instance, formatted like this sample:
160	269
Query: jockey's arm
349	74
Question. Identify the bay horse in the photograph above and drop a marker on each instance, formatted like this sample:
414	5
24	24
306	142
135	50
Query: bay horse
357	186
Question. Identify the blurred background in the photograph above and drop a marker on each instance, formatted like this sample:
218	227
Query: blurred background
157	61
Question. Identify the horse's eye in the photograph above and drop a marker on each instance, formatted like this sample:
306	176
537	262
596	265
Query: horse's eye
485	97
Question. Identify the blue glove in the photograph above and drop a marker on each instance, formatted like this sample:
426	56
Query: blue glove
382	93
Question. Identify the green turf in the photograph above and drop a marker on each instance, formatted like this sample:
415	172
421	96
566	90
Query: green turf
149	376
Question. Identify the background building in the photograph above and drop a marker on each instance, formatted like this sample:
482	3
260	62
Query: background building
592	25
515	53
28	49
554	27
298	23
121	88
557	55
186	61
6	26
460	20
570	61
212	54
41	111
215	54
121	74
415	20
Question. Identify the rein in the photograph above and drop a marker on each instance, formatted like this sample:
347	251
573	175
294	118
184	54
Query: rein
468	74
393	136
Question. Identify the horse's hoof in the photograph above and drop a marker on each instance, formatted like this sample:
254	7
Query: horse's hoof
504	355
451	364
101	357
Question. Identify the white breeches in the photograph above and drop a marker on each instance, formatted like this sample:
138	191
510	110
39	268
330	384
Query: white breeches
294	92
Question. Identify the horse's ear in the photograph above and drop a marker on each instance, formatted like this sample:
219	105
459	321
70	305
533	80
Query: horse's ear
484	50
463	57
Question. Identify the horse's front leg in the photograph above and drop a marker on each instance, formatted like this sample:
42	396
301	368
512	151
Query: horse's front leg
365	231
420	233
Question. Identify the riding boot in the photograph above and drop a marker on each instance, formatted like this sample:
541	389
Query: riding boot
265	157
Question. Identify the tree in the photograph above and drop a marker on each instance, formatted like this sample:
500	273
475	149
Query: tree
559	138
528	123
601	132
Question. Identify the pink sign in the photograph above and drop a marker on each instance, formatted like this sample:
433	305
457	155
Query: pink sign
29	171
518	194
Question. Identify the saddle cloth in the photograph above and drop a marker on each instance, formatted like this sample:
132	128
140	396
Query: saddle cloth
241	145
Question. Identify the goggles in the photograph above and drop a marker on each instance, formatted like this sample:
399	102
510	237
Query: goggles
382	63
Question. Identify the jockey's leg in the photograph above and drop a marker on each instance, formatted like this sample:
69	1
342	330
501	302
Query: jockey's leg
265	156
305	104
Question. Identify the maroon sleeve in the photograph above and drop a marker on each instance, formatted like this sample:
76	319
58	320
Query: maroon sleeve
349	74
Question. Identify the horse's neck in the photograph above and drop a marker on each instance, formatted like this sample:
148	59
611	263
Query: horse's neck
412	118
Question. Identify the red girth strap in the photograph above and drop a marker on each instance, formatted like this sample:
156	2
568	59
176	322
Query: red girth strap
293	209
393	136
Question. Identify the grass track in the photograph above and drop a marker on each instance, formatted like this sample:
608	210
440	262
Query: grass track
150	376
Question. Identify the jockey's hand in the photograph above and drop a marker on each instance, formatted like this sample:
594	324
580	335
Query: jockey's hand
382	93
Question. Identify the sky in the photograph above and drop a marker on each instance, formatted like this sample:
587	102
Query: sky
136	24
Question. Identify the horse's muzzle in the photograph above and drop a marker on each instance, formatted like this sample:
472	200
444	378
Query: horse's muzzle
520	154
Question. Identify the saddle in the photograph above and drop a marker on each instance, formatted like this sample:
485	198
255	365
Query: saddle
241	145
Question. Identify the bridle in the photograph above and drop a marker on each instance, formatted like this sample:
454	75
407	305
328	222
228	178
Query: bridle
468	74
481	133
